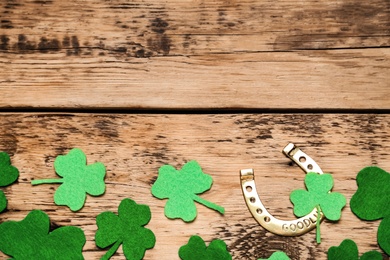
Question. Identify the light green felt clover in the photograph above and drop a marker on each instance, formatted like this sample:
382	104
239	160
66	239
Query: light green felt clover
196	249
30	239
126	228
78	179
372	201
348	250
277	256
318	196
180	188
8	175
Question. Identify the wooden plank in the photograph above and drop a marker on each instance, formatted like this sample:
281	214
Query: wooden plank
195	54
133	147
353	79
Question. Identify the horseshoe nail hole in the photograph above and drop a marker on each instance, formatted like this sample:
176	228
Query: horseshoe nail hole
310	167
302	159
248	188
267	219
252	199
259	211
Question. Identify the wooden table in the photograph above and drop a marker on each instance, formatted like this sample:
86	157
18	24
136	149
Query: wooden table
139	84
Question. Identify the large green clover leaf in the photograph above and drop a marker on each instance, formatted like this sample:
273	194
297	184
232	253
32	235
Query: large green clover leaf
348	250
318	196
196	249
8	175
126	228
372	201
277	256
78	179
30	239
180	188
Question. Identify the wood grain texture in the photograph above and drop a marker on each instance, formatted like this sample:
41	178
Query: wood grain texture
133	147
195	54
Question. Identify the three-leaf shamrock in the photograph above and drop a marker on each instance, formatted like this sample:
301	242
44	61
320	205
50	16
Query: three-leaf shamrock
196	249
77	179
180	188
372	201
8	175
348	250
277	256
30	239
318	196
126	228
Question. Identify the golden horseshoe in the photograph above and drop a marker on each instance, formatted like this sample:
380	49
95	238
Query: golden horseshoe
281	227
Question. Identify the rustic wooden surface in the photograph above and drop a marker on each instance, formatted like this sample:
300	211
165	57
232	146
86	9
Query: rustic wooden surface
133	147
195	54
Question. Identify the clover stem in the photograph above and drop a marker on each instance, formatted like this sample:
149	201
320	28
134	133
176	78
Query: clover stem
112	250
208	204
318	232
44	181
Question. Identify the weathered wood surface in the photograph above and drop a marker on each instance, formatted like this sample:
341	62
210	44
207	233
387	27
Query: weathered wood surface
133	147
195	54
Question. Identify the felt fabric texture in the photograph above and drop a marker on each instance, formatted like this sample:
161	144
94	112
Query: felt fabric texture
8	175
78	179
318	196
181	187
372	201
348	250
196	249
277	256
30	239
126	228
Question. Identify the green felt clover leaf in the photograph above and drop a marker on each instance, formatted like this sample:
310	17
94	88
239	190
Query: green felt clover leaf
8	175
372	201
277	256
196	249
78	179
180	188
318	196
31	239
126	228
348	250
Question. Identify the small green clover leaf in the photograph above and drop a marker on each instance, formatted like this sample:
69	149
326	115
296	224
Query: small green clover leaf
78	179
8	175
318	196
348	250
371	201
30	239
126	228
196	249
277	256
180	188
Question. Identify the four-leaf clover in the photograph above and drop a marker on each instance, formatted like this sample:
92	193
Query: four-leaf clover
8	175
180	188
126	228
348	250
196	249
372	201
318	196
77	179
30	239
277	256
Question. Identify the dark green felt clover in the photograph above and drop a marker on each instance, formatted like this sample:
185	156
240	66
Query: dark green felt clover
277	256
8	175
126	228
31	239
196	249
78	179
348	250
318	196
372	201
181	187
